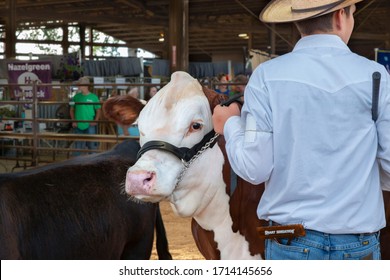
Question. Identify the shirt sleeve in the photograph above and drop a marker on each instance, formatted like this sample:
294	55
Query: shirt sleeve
249	138
383	128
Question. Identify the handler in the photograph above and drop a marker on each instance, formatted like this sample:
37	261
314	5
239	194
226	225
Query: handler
306	130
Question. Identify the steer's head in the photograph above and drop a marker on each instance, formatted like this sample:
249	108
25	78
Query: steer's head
179	114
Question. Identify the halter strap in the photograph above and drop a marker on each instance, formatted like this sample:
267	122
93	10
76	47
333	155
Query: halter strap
183	153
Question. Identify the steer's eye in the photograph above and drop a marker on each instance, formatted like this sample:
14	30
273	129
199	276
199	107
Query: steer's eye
196	126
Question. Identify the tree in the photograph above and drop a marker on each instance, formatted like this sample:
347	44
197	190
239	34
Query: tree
52	38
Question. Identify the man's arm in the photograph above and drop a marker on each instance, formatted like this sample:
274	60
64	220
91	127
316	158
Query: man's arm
71	113
98	114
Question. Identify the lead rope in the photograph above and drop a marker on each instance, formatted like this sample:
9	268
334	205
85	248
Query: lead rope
186	164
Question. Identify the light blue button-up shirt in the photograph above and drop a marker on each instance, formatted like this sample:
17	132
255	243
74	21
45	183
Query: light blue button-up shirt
306	130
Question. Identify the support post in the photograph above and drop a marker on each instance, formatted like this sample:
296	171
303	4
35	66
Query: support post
10	32
178	35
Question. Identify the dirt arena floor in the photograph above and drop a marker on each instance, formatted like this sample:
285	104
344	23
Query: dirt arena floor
181	242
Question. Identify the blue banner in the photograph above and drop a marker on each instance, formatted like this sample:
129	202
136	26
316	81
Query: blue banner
383	57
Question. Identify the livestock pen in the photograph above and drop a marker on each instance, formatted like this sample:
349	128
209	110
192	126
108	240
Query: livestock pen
36	131
44	137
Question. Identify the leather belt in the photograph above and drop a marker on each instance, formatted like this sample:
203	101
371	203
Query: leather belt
281	231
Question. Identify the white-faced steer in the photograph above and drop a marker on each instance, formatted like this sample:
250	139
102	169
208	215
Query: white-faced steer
179	162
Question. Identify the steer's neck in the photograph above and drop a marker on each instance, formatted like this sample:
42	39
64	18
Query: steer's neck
216	217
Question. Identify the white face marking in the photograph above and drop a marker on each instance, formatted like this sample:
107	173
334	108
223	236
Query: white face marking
180	115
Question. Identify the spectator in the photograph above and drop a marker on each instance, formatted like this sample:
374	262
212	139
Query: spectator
240	88
86	112
152	92
222	87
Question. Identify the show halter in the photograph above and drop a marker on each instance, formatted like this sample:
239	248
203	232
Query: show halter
185	154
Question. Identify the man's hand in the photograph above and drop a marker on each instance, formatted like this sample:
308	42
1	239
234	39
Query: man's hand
222	114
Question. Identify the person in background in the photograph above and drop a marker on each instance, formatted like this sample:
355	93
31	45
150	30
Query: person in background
88	112
240	88
306	129
152	92
222	88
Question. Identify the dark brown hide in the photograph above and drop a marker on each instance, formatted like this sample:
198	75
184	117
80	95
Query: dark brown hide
122	109
77	209
385	233
243	203
213	97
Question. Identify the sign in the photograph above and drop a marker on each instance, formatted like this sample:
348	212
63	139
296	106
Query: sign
122	82
97	81
25	74
383	57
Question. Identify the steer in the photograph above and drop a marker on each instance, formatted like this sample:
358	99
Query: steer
179	161
76	209
178	118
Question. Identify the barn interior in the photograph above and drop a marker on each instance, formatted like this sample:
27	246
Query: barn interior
188	35
178	32
183	31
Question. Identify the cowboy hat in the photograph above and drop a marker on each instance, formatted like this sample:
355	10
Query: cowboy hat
83	81
278	11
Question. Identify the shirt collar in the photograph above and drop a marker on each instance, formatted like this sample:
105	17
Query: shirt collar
321	40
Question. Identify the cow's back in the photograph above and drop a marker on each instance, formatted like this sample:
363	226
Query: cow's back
385	233
75	209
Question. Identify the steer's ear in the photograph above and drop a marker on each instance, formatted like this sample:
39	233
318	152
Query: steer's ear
214	97
122	109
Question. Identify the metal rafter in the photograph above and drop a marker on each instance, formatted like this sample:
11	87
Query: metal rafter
213	25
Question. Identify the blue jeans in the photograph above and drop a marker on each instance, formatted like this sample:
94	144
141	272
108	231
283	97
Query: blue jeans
85	144
322	246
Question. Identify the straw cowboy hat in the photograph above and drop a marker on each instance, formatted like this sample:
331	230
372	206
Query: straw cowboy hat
83	81
294	10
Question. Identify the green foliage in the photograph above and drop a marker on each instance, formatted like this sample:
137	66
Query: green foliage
56	35
5	112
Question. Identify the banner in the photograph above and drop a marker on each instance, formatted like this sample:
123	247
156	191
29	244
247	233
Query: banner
70	67
25	74
383	57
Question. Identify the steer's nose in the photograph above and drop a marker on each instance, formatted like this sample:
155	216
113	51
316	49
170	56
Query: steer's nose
140	182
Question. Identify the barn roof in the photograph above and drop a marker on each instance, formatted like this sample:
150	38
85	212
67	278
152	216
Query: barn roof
213	26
